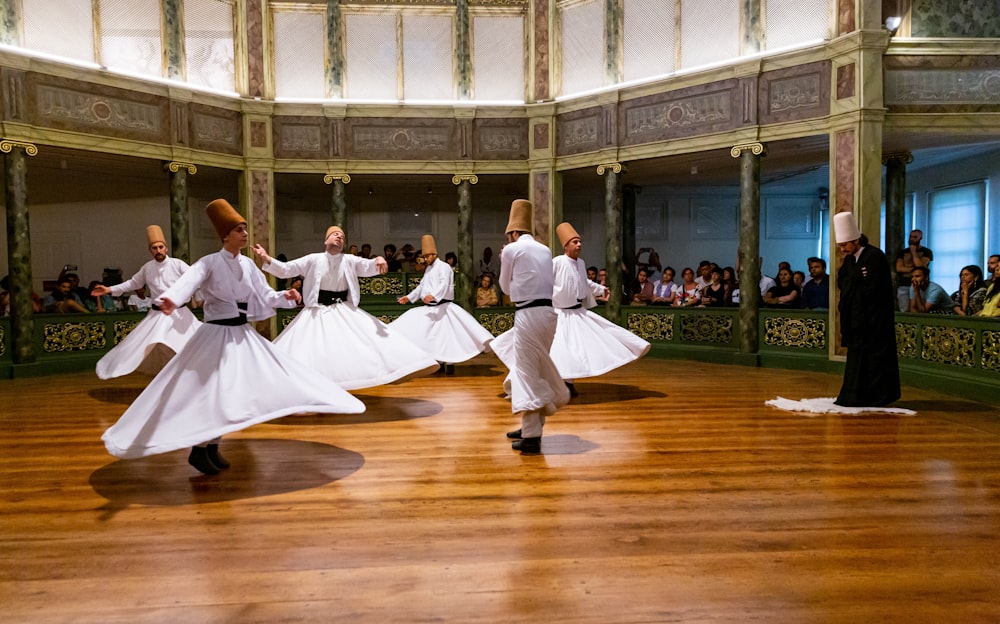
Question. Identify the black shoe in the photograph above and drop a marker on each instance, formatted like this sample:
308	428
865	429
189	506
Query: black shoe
440	368
572	390
216	458
531	446
449	369
200	460
514	435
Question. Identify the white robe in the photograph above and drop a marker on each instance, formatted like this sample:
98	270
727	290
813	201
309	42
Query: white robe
151	343
226	378
585	344
446	331
342	341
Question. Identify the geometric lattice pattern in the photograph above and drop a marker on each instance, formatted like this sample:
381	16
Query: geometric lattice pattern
795	332
496	323
991	350
948	345
651	326
707	328
122	329
906	340
390	284
60	337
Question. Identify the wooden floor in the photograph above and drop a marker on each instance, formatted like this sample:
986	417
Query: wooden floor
667	492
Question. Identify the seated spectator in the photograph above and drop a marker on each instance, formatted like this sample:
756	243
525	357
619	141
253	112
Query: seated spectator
798	278
731	285
366	251
353	250
925	295
665	290
486	294
991	269
592	273
451	259
690	292
140	300
5	295
816	292
784	294
643	289
704	273
63	300
968	299
408	262
714	295
389	252
991	302
489	263
100	303
602	279
296	283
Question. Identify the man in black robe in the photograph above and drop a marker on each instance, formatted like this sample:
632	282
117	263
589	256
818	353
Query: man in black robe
867	319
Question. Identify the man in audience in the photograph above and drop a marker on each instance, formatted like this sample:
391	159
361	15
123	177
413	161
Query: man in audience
392	262
816	292
704	274
925	295
592	273
63	300
489	264
906	260
991	268
366	251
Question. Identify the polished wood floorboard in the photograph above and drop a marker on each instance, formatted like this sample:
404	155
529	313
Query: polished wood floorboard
667	492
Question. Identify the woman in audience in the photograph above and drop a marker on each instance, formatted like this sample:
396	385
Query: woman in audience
968	299
643	289
784	294
714	294
665	290
690	292
991	302
729	281
486	294
103	303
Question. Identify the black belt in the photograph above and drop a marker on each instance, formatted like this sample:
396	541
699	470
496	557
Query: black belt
534	303
332	297
439	302
236	320
155	307
576	307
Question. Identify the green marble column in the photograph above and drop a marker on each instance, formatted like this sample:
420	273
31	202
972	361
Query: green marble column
463	50
613	236
628	193
753	27
180	216
22	324
749	251
173	18
338	200
896	236
9	19
334	51
614	67
466	270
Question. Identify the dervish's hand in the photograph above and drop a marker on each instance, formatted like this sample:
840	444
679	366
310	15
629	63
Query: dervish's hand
167	306
403	299
293	295
262	253
428	299
100	290
381	265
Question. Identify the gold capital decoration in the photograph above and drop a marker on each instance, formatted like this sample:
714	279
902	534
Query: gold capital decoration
175	165
755	148
6	145
903	157
615	167
458	178
330	177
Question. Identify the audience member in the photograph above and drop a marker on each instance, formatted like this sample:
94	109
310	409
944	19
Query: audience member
991	268
925	295
690	292
353	250
366	251
732	286
5	295
968	299
408	262
704	273
906	260
816	292
798	278
452	260
63	300
486	293
140	301
714	295
602	279
100	303
592	273
644	289
489	263
784	294
665	290
991	302
389	251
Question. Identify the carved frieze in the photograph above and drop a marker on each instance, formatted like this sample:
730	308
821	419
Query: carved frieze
495	139
906	340
942	86
496	322
651	326
62	337
401	139
216	129
389	284
685	112
122	329
801	92
948	345
72	105
300	137
805	333
578	132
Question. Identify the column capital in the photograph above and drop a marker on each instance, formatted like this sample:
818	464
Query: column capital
902	157
342	177
6	145
615	167
175	165
757	149
458	178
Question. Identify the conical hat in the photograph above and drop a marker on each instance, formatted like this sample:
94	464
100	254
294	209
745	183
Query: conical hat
334	228
154	235
224	217
427	245
845	227
566	233
520	216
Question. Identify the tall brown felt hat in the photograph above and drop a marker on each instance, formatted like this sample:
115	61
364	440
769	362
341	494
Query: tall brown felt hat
223	216
334	228
154	235
427	245
520	216
566	233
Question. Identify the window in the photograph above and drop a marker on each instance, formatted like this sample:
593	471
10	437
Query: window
498	58
130	36
208	43
956	231
299	54
60	27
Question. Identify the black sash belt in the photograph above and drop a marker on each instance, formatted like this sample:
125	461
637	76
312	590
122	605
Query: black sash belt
440	302
236	320
332	297
534	303
155	307
576	307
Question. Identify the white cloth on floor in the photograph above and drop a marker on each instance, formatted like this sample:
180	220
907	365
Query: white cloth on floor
826	405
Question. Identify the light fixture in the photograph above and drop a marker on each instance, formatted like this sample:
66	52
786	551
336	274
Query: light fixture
430	191
371	191
892	24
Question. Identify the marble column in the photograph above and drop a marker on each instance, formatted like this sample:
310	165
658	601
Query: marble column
180	215
22	324
466	277
749	250
338	199
896	236
334	55
463	50
9	20
173	42
753	27
613	235
629	192
614	68
539	59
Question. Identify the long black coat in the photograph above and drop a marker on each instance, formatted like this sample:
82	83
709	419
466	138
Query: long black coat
868	330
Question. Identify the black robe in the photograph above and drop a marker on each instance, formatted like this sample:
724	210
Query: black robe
868	330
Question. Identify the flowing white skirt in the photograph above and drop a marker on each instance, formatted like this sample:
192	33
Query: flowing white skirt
225	379
585	345
352	347
534	382
447	332
150	344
